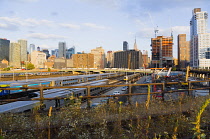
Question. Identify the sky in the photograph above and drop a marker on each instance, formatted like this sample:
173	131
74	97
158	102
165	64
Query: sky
87	24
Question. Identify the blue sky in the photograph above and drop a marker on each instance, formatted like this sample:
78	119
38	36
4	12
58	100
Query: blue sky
88	24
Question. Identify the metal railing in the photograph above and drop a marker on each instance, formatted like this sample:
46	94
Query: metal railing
129	94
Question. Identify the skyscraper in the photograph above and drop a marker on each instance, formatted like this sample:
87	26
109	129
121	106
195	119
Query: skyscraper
99	57
4	49
183	51
23	49
31	48
70	52
125	45
199	40
62	49
162	52
15	57
46	51
54	52
38	48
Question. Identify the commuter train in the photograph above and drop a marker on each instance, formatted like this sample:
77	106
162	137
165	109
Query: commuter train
24	106
55	81
129	77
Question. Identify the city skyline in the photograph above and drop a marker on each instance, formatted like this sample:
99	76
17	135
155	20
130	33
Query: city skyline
87	24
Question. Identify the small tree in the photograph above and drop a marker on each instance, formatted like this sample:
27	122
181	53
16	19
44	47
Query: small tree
30	66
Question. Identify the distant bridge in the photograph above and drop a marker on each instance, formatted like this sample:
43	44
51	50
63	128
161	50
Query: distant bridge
91	70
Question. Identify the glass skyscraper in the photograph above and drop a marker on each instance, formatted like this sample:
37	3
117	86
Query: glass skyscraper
4	49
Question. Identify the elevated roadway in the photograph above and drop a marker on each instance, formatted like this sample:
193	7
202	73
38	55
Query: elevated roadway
91	70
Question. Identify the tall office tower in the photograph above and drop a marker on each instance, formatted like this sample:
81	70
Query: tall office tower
70	52
109	59
199	40
130	59
31	48
125	45
38	48
162	52
183	51
54	52
23	50
99	57
135	46
4	49
46	51
15	55
145	59
62	49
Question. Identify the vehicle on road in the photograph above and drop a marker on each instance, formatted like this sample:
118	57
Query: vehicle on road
124	88
116	93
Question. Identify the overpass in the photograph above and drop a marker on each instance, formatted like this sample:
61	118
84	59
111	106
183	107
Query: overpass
106	70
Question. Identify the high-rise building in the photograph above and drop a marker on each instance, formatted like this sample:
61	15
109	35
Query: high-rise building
31	48
4	49
162	52
23	50
109	59
83	60
38	48
70	52
183	51
130	59
38	59
46	51
199	39
54	52
125	45
145	59
15	57
99	57
62	49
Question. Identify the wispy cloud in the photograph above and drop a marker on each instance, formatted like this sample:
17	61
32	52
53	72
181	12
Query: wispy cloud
94	26
29	22
71	26
42	36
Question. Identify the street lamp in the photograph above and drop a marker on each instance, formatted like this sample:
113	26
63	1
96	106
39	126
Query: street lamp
26	72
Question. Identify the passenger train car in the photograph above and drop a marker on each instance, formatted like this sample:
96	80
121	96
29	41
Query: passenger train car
56	81
23	106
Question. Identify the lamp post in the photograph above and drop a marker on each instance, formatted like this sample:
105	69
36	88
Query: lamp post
26	72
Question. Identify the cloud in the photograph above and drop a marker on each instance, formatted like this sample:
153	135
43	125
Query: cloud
42	36
29	22
8	27
71	26
94	26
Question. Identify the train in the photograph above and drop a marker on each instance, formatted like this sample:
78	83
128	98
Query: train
54	81
129	77
25	106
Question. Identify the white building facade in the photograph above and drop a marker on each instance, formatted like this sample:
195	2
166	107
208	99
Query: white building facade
199	40
38	59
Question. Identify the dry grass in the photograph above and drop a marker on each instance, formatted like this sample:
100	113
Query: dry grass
160	120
